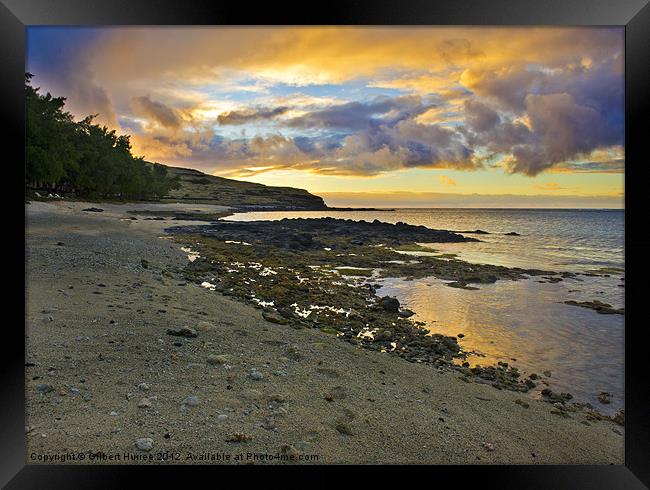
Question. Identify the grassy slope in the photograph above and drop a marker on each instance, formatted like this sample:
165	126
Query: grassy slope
197	186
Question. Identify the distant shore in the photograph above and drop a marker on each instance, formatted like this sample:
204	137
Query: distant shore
110	369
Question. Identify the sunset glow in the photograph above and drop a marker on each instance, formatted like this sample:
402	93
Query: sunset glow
525	116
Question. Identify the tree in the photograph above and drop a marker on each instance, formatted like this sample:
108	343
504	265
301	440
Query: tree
89	159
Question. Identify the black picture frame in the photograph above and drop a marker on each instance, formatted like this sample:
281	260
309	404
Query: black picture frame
15	15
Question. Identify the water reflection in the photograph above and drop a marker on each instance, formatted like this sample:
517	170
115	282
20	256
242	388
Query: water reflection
526	321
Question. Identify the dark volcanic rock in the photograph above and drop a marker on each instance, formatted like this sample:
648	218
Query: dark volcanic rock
94	210
182	332
307	233
476	232
273	317
406	313
389	303
597	306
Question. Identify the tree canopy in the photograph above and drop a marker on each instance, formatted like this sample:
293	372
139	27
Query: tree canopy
82	157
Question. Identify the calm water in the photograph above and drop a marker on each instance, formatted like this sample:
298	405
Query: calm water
524	320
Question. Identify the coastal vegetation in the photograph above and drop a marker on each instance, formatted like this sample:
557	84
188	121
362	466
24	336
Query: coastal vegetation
82	158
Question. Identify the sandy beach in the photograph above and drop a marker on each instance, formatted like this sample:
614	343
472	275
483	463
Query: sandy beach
104	376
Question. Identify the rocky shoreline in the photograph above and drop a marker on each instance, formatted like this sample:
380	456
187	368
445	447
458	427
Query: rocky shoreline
129	349
317	273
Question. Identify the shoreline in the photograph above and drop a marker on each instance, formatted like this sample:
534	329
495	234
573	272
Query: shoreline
118	357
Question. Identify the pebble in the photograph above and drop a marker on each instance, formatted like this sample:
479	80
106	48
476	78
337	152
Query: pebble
274	317
343	429
255	374
143	387
488	446
144	403
113	414
221	417
190	401
524	404
280	373
144	444
44	388
217	359
182	332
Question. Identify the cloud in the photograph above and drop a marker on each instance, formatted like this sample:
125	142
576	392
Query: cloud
563	130
480	117
250	115
351	101
446	180
361	115
157	111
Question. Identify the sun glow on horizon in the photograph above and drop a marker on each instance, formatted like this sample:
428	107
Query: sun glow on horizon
490	111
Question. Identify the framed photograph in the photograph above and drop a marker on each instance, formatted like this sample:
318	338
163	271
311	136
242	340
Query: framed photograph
385	234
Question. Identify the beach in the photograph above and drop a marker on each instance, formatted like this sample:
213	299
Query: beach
104	374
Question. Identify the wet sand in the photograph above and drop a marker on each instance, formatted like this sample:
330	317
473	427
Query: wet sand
102	373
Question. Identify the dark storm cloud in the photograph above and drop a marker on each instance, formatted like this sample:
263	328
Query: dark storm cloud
361	115
247	116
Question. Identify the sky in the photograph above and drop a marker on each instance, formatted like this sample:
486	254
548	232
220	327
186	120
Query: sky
372	116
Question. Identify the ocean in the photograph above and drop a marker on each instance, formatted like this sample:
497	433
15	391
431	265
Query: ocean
525	323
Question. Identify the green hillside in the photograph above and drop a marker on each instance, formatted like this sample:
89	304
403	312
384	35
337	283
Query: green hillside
196	186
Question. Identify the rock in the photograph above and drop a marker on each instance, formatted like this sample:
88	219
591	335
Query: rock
533	376
488	446
239	437
389	303
553	397
522	403
203	326
280	373
215	360
619	417
182	332
44	388
604	397
255	374
406	313
221	417
143	387
274	317
597	306
343	428
547	374
384	335
530	383
253	395
144	444
190	401
512	233
144	263
93	210
144	403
